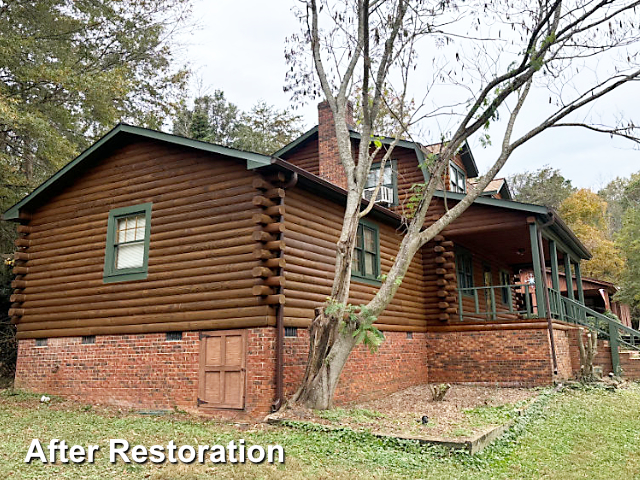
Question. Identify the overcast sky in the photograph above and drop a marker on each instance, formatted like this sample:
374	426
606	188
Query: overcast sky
238	47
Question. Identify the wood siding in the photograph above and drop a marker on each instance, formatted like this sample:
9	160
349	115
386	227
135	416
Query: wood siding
312	230
305	156
201	250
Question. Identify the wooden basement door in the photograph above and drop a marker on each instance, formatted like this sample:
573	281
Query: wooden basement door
222	369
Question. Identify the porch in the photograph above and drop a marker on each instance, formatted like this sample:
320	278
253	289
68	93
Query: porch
531	288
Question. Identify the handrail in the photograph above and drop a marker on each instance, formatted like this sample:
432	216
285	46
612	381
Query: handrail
513	300
575	312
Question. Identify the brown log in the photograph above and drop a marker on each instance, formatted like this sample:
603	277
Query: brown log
441	271
24	215
443	305
275	299
206	324
275	245
442	282
278	262
274	211
261	184
262	272
263	254
261	236
447	244
274	228
260	201
450	276
26	229
440	260
17	297
438	239
18	284
449	266
262	218
272	281
450	299
438	249
441	293
262	290
21	256
16	312
452	310
443	317
448	254
274	193
20	270
22	242
277	177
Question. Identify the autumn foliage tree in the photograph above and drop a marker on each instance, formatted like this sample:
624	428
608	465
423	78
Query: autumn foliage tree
493	54
586	213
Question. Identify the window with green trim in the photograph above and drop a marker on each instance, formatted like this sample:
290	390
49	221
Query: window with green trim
464	269
366	255
389	179
457	179
127	250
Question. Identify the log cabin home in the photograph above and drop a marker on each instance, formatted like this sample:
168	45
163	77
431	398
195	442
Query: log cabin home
155	271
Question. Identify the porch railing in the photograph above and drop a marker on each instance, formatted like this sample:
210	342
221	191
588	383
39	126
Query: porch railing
497	302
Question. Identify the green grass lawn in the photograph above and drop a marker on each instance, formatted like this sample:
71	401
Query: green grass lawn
590	433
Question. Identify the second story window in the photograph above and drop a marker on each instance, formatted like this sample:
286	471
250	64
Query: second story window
366	255
389	188
457	179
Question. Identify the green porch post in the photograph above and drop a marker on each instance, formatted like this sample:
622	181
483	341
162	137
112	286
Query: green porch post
579	282
541	284
555	277
568	276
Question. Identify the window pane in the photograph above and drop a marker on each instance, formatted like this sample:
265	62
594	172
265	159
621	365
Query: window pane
372	178
122	229
369	240
130	256
355	265
387	180
369	264
359	238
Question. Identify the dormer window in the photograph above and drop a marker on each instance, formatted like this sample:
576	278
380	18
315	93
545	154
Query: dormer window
389	183
457	179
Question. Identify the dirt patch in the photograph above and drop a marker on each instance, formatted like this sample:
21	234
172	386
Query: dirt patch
465	411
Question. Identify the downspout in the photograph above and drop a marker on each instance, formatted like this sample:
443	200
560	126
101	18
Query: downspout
280	314
546	292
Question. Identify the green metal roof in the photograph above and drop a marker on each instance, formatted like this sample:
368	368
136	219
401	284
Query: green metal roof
253	160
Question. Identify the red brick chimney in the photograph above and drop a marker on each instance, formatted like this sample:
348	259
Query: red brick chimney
331	168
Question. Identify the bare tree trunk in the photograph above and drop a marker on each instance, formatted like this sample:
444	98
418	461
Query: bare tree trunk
588	351
329	348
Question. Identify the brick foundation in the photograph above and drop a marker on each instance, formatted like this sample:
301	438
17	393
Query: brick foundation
149	372
399	363
493	357
140	371
629	360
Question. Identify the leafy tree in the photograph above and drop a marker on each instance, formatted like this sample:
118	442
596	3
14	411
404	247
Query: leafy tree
370	44
585	212
620	194
212	119
628	242
546	186
70	70
263	129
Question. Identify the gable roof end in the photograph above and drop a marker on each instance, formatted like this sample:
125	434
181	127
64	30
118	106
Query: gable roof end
253	160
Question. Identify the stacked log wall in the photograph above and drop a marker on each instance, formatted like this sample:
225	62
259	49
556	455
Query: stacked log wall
313	227
201	251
